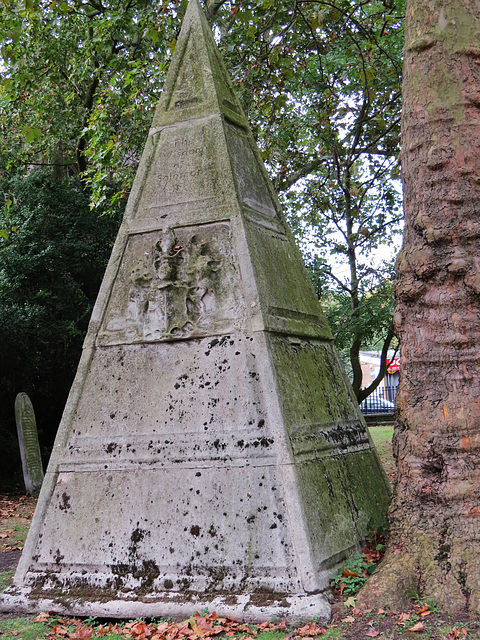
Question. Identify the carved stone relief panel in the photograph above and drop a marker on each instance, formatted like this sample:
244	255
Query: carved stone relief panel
174	284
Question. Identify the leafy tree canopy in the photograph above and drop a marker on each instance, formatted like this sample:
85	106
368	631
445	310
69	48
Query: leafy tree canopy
51	267
320	82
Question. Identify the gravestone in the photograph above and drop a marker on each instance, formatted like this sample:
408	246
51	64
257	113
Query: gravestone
211	453
28	442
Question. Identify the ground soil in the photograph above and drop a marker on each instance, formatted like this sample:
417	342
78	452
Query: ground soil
353	624
16	512
9	559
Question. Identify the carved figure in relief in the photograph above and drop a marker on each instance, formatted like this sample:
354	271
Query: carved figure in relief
140	278
171	290
201	271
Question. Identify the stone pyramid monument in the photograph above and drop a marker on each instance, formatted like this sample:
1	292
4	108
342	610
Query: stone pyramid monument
211	453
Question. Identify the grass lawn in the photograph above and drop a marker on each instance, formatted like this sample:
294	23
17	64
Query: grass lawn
382	439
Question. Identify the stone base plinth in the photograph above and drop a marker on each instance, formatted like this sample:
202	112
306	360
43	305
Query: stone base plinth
254	608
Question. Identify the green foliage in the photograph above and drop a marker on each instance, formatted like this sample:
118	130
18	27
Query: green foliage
52	261
79	85
320	83
352	575
370	320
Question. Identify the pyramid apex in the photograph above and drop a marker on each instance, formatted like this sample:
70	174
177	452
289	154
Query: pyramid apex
197	84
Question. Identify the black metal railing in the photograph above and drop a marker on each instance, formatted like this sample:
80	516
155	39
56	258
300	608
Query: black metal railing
382	400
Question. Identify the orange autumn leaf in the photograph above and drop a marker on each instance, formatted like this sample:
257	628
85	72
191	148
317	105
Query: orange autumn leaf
102	631
82	632
349	619
60	631
372	633
417	627
42	617
183	629
422	609
346	573
310	630
403	618
140	628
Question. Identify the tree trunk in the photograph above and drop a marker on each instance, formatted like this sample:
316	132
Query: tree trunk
434	548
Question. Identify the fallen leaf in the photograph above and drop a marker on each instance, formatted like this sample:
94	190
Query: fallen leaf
346	573
417	627
140	629
422	609
349	619
380	612
42	617
372	633
403	618
349	602
310	630
455	633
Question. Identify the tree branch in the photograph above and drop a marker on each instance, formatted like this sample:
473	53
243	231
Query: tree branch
301	173
212	8
364	393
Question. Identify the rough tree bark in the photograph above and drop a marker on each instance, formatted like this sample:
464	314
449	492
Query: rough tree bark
434	548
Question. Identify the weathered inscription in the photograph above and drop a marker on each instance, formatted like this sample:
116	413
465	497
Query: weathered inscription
184	170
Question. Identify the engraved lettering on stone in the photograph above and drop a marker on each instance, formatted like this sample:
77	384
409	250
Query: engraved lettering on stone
183	170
